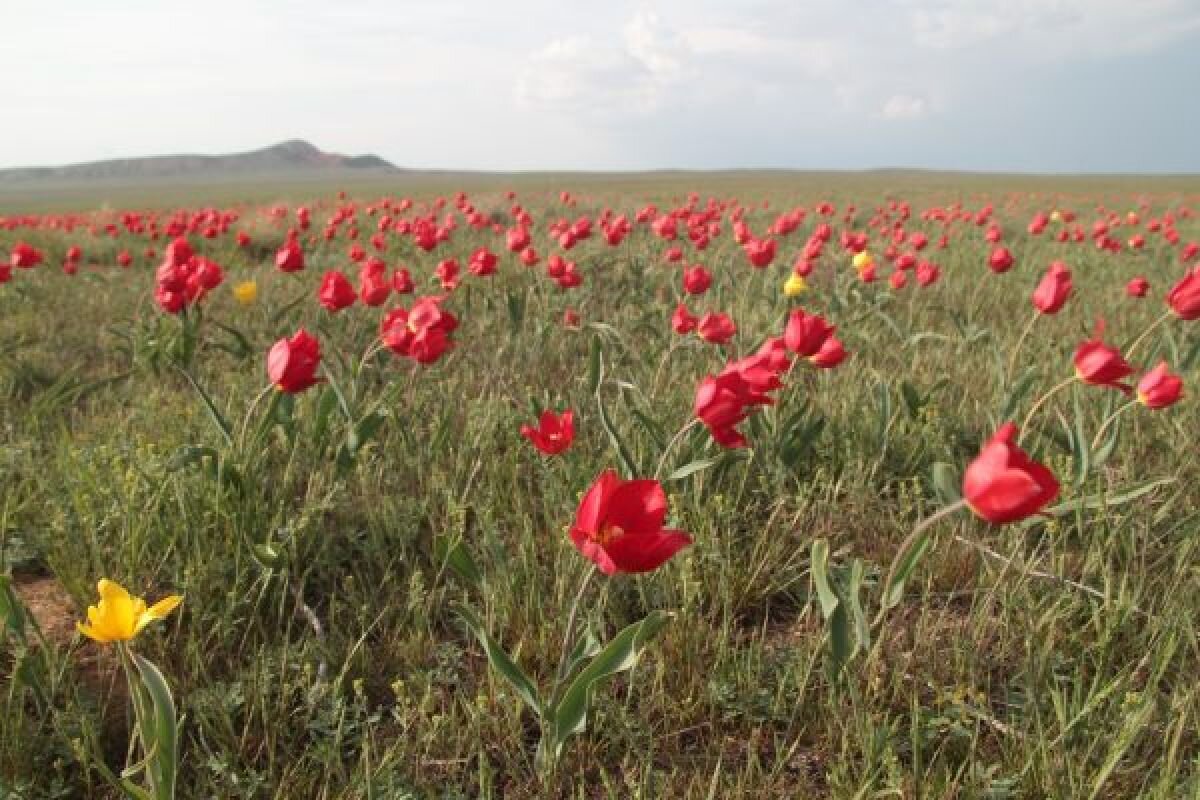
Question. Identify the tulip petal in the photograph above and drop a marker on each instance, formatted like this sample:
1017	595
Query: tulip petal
646	552
592	508
637	506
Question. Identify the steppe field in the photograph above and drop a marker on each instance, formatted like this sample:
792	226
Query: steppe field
872	485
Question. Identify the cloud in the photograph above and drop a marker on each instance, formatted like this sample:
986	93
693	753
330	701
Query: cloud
631	73
904	106
1052	29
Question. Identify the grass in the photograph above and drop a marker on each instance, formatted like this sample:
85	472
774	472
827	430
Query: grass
993	677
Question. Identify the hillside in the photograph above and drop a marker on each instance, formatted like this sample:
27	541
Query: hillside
294	156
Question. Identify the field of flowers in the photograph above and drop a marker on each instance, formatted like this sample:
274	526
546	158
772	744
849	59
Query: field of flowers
603	490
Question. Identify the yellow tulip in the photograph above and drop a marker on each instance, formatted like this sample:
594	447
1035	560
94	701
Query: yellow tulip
794	285
245	292
863	260
1056	215
119	617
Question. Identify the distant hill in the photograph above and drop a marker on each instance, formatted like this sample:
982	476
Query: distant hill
294	156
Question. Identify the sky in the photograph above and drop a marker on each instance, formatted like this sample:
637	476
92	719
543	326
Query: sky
989	85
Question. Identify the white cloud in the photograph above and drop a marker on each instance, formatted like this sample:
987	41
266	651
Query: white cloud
904	106
1052	29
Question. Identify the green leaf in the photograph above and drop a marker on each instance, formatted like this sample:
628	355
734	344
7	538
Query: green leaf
587	647
820	575
218	419
698	465
619	655
595	367
241	348
1102	500
1105	450
327	401
903	565
11	609
628	465
268	555
946	483
883	398
160	734
912	399
1017	393
1082	450
454	554
503	663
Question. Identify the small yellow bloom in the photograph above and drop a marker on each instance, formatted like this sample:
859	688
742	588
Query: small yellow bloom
119	617
1056	215
245	292
794	285
863	261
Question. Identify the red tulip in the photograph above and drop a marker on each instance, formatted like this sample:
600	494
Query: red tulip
292	363
402	282
1137	287
373	284
1184	297
24	256
1003	484
1098	364
619	526
1158	388
696	280
722	403
927	273
422	333
682	320
1000	260
1051	294
289	258
447	273
336	292
482	263
554	432
898	280
761	252
716	328
830	355
516	239
805	333
570	318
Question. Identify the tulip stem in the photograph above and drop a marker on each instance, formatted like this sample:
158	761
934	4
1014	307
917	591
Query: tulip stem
1109	421
1042	401
250	412
662	461
572	615
907	544
1012	360
1153	326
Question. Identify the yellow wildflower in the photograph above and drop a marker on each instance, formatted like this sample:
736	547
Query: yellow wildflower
794	285
245	292
119	617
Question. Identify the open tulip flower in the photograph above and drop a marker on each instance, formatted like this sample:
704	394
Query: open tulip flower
119	617
1098	364
554	432
619	526
1003	484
